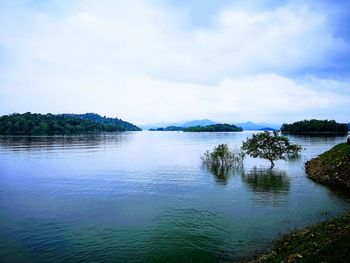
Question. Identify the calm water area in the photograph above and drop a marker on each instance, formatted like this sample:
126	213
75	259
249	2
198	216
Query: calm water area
144	197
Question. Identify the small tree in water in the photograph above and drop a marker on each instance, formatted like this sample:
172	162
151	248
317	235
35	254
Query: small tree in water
222	157
270	146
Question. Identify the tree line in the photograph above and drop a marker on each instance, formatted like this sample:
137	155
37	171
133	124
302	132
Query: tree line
315	126
50	124
127	126
214	128
208	128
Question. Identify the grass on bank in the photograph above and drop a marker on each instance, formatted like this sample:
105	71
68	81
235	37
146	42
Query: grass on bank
336	154
331	167
325	242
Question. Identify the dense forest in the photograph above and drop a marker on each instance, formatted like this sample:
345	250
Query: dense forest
127	126
214	128
315	127
50	124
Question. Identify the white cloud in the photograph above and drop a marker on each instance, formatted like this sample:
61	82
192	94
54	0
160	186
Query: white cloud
145	63
144	99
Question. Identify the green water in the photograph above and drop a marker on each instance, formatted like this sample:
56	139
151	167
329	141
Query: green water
144	197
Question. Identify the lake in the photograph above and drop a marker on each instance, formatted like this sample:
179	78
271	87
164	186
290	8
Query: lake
144	197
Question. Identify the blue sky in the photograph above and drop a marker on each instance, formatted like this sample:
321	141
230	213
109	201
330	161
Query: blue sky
152	61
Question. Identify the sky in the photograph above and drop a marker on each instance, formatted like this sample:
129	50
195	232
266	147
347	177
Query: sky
176	60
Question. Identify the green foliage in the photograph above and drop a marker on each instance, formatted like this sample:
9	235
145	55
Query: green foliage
222	157
111	123
336	154
325	242
315	127
331	167
270	146
49	124
214	128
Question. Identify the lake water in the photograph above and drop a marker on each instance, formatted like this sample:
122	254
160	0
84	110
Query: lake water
144	197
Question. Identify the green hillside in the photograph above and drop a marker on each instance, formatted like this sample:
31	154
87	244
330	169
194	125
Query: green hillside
50	124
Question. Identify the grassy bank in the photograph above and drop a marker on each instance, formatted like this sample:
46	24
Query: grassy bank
331	167
325	242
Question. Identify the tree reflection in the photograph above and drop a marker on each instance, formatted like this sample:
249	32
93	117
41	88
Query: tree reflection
223	174
266	180
268	186
47	143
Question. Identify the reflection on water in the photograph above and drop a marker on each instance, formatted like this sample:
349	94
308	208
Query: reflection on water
144	197
49	143
222	174
266	180
268	186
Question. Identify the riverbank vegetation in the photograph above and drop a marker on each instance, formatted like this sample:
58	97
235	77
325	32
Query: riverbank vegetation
331	167
325	242
315	127
50	124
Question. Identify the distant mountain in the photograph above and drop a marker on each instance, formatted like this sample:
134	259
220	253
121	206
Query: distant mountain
157	125
169	128
204	122
251	126
214	128
124	125
267	129
248	126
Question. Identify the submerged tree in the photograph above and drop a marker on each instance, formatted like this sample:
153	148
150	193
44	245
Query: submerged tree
270	146
222	157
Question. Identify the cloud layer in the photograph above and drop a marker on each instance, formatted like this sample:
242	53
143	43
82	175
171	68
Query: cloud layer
147	61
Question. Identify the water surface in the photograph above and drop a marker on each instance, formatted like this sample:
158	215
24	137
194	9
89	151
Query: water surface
144	197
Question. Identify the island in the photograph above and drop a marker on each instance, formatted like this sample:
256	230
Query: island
60	124
208	128
315	127
169	128
214	128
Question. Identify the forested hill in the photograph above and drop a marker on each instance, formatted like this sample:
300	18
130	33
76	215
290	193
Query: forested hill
50	124
315	127
127	126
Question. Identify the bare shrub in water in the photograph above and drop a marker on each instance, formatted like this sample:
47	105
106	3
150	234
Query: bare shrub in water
222	157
